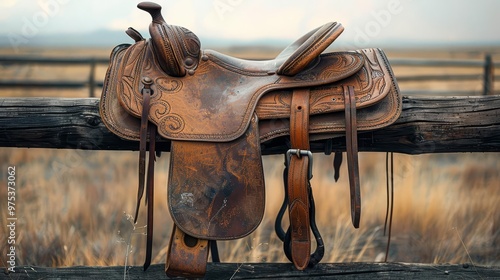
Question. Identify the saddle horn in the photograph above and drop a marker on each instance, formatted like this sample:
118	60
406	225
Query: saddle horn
178	48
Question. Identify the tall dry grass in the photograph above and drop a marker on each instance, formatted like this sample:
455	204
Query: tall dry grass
72	205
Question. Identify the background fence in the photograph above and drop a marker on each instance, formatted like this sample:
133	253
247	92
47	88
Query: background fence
91	82
482	73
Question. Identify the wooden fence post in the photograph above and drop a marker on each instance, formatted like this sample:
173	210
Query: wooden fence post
489	68
92	83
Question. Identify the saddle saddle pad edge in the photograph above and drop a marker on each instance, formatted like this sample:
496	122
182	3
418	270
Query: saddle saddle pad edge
114	117
323	127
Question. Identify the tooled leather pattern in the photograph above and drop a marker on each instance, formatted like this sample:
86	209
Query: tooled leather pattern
371	84
214	104
374	110
325	102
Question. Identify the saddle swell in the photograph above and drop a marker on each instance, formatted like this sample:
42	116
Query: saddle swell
217	110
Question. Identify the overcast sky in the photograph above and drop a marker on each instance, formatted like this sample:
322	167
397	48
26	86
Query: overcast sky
365	21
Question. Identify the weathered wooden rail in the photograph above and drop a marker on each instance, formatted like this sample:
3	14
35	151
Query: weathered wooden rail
273	271
426	125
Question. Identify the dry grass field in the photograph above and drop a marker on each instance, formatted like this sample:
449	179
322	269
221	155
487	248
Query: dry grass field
73	206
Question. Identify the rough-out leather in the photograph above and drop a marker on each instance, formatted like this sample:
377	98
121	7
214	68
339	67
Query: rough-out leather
217	111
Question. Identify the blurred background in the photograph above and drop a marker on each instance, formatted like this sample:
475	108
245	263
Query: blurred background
74	205
388	23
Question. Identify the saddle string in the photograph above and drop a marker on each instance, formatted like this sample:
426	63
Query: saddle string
387	192
150	195
149	200
337	162
352	154
214	251
390	205
146	97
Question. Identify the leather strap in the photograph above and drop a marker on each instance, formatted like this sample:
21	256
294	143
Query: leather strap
146	98
150	195
298	180
352	153
299	119
337	162
214	251
186	256
390	203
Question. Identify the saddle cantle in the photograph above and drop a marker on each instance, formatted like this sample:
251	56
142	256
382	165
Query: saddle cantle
218	110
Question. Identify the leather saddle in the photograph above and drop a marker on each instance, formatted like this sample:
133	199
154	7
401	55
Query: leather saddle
217	111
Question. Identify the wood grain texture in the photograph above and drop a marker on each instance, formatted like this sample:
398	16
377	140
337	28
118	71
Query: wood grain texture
426	125
271	271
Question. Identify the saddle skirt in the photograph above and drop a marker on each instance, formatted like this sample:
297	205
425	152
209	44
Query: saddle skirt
217	103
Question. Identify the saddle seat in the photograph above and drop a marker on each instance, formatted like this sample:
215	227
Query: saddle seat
292	59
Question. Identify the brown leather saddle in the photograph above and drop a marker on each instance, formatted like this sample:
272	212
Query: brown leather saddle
218	110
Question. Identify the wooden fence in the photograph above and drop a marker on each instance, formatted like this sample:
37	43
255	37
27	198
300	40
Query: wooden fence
91	82
487	65
487	77
361	271
468	124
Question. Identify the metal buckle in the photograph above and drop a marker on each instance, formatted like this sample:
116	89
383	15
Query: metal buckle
147	82
300	153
